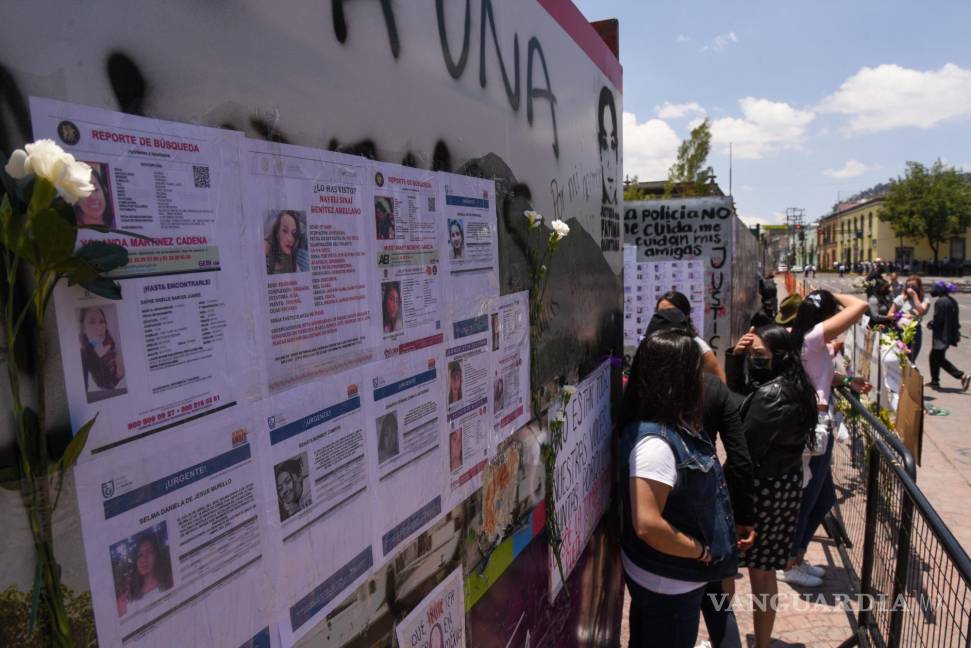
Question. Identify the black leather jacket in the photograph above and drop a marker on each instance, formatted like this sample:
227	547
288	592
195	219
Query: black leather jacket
776	437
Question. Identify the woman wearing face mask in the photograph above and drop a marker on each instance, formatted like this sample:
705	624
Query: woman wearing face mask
911	305
100	359
778	416
674	299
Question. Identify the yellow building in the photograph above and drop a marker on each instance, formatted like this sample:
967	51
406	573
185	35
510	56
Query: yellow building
855	234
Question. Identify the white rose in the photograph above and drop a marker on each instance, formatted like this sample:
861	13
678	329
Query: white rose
559	417
74	182
533	217
569	391
46	159
560	228
16	168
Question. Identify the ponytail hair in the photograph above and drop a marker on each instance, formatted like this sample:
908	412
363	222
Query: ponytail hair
786	363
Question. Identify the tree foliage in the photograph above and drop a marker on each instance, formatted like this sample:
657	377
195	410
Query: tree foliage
688	175
932	202
632	191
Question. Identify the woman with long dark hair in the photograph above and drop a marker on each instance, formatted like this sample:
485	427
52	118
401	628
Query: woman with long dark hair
677	527
151	572
821	319
911	306
675	299
281	246
100	360
779	416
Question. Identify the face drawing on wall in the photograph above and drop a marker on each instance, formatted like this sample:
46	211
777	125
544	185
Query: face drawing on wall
607	137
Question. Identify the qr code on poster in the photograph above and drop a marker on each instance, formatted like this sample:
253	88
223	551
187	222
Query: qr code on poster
431	203
200	176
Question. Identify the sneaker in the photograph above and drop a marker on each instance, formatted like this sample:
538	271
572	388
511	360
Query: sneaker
965	382
934	385
798	577
812	570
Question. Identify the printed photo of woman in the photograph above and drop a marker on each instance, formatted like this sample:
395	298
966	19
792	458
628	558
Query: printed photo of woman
384	218
391	306
101	362
96	209
454	381
285	245
142	567
456	238
292	496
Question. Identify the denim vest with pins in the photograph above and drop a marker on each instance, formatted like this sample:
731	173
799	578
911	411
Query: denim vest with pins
698	506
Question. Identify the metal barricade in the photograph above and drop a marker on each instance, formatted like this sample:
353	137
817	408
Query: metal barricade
913	576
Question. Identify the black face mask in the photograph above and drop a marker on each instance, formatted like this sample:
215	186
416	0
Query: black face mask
759	368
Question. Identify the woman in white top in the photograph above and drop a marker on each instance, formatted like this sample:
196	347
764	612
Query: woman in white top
674	299
912	306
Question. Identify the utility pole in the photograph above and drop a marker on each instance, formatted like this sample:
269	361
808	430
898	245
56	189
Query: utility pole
794	218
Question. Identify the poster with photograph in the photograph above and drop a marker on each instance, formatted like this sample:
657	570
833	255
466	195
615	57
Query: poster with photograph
406	230
646	282
438	621
307	234
313	457
471	245
172	538
468	358
405	418
162	355
582	474
510	365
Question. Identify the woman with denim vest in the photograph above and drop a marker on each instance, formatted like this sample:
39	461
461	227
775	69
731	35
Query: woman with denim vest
678	533
779	417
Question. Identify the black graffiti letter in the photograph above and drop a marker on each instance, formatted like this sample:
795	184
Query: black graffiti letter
340	24
454	69
512	96
537	93
724	253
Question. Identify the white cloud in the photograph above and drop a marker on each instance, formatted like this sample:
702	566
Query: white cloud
650	148
889	96
669	110
851	169
764	128
681	38
775	218
720	42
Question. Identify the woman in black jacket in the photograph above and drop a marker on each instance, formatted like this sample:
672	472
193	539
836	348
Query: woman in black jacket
779	416
946	329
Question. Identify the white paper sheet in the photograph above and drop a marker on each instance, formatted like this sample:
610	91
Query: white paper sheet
438	621
511	388
160	356
405	410
406	227
313	457
306	243
172	536
471	245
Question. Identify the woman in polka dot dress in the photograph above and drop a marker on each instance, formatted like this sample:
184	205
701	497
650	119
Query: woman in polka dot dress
779	416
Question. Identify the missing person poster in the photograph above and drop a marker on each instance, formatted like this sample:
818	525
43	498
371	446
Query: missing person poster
471	245
160	356
405	418
509	326
468	358
313	457
582	474
648	281
405	234
304	212
438	621
172	537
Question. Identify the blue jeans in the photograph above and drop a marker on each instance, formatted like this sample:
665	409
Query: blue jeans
818	497
719	618
663	620
915	345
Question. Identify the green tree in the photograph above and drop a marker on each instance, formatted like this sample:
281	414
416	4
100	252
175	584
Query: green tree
689	175
927	202
633	192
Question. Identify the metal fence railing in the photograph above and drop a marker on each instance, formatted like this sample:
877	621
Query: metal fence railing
913	575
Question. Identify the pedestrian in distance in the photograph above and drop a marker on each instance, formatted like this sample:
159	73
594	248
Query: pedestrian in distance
677	528
911	306
946	332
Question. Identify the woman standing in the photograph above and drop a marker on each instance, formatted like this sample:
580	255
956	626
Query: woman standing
778	416
946	329
821	319
912	306
677	527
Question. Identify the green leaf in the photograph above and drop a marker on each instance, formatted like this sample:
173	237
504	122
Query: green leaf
41	198
54	237
74	448
13	236
77	270
105	257
103	287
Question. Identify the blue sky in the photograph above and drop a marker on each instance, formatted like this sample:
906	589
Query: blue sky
819	98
